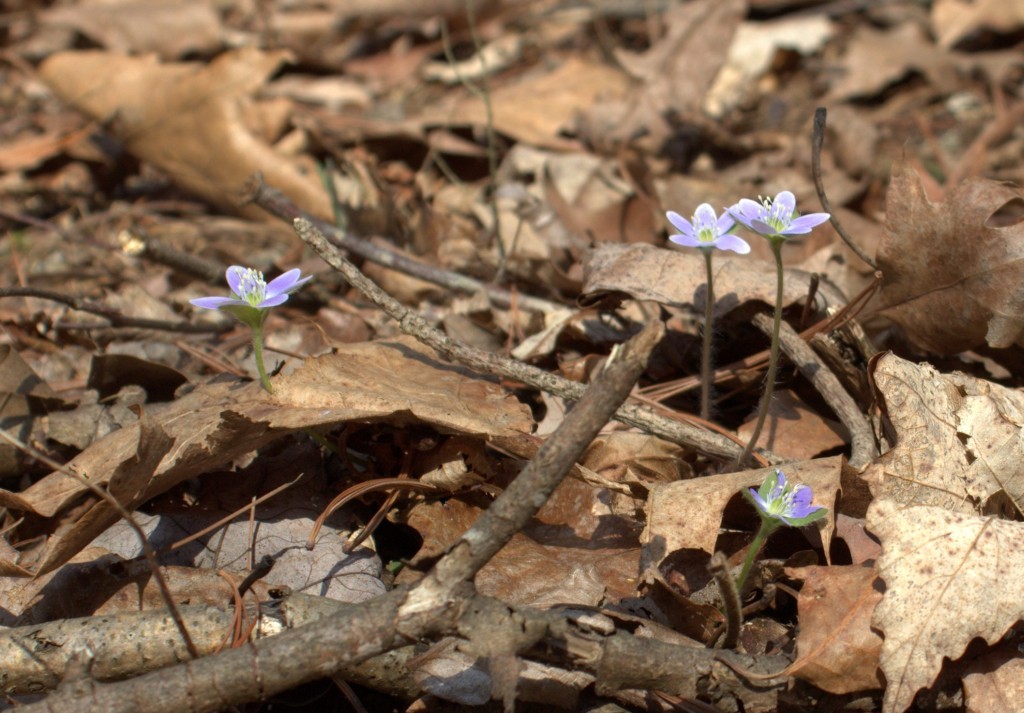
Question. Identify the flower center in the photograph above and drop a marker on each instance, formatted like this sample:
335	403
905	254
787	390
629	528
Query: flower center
251	286
707	231
771	213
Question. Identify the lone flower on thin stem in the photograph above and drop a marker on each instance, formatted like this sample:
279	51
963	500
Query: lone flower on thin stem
708	231
778	503
252	295
775	219
780	500
252	298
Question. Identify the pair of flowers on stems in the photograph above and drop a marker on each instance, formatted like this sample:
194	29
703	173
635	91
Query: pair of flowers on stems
775	220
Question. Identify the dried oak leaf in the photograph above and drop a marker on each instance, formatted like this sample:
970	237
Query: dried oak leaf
193	122
838	651
953	274
958	439
393	382
949	578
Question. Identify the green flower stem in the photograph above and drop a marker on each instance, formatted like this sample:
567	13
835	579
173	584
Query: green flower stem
773	357
257	348
767	528
705	356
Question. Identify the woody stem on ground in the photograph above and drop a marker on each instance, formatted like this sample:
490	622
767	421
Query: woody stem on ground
773	358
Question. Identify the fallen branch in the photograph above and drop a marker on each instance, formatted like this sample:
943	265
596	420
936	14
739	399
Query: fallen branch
411	323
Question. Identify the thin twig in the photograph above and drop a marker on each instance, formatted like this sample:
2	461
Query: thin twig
862	442
147	549
817	139
711	444
275	203
115	318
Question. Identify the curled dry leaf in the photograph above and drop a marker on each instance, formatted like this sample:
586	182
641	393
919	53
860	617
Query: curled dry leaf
187	120
958	439
949	578
219	422
953	275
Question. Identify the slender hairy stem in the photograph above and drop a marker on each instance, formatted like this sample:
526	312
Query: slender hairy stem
705	356
732	605
773	359
755	547
257	348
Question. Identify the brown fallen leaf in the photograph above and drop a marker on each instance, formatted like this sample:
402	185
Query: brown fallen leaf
678	278
954	20
958	439
222	421
688	514
953	279
837	650
949	578
995	682
188	120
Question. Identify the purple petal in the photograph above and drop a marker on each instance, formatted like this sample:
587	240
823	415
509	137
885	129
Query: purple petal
285	283
805	223
759	502
784	204
234	276
215	302
273	301
705	215
800	504
725	223
681	224
734	243
690	241
746	211
761	227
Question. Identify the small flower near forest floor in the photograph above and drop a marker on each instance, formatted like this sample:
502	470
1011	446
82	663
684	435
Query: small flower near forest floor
775	218
252	299
252	295
785	503
707	230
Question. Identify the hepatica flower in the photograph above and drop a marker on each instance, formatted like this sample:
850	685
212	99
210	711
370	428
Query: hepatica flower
775	218
252	296
251	299
778	502
707	230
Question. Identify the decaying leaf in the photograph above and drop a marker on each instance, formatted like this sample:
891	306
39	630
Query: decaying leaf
187	120
644	272
952	279
688	514
949	578
958	439
222	421
837	650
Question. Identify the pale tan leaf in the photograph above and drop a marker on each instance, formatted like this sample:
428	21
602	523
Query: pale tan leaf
687	514
995	682
949	578
216	423
958	439
188	120
953	275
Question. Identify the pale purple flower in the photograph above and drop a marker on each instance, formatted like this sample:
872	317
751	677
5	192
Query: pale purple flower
251	290
778	500
775	218
707	231
252	296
